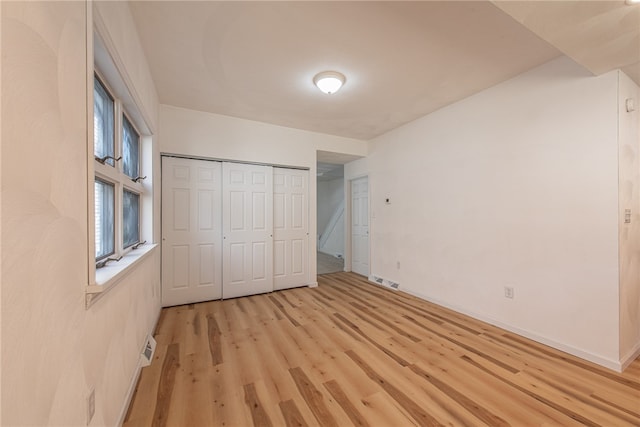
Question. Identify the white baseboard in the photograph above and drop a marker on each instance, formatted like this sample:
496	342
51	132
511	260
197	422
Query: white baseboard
136	375
312	284
599	360
627	359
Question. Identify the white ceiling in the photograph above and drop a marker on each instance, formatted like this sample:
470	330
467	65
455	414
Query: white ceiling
256	60
599	35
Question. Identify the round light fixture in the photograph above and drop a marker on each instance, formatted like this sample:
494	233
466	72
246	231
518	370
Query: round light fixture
329	81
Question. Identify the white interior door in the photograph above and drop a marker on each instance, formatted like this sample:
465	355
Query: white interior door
360	226
191	231
247	229
290	228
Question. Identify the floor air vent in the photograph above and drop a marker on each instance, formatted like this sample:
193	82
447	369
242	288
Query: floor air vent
149	349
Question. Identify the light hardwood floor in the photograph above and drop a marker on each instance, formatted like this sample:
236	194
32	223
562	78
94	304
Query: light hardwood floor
352	353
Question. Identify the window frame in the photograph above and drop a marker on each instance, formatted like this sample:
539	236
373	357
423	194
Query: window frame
103	275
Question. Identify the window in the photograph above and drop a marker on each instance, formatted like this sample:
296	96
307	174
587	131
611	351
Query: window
103	125
130	218
130	149
105	219
119	188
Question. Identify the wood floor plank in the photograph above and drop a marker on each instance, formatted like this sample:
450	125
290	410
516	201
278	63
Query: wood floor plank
313	397
215	336
552	404
165	388
478	411
292	415
420	415
258	413
352	353
283	310
346	404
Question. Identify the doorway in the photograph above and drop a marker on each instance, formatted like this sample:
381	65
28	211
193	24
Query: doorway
330	215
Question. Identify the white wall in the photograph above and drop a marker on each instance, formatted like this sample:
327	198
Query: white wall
515	186
54	350
629	152
199	134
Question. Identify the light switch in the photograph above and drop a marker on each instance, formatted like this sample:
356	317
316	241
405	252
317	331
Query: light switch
630	105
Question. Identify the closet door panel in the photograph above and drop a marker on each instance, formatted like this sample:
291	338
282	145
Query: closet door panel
248	229
291	229
191	231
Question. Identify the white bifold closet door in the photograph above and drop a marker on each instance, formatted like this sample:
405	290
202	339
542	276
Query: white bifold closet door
191	231
247	229
222	234
290	228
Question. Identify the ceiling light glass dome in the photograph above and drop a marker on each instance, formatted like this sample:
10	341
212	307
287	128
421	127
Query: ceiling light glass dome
329	81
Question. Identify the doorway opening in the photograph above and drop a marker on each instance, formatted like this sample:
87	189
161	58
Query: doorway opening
330	214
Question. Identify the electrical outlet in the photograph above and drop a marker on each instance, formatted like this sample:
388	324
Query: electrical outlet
91	405
508	292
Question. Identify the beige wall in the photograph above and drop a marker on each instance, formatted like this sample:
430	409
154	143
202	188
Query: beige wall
515	186
629	158
54	350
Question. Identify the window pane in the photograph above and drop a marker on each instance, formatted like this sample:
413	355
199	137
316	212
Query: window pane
103	141
104	217
130	218
130	148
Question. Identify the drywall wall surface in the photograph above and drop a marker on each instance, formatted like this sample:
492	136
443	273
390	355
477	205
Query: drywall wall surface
202	134
54	350
116	26
199	134
629	157
516	186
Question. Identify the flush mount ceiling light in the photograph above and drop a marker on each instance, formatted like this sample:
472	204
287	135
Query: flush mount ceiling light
329	81
630	2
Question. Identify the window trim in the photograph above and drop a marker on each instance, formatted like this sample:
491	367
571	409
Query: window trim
118	86
115	174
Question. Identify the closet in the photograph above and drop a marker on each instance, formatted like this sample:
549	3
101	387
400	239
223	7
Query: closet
231	229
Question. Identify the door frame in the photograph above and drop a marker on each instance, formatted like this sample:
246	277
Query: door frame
348	223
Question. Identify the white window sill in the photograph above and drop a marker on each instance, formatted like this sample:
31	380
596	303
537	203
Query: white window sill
110	275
